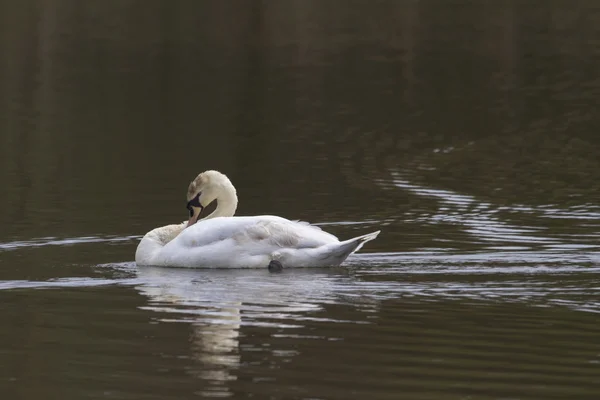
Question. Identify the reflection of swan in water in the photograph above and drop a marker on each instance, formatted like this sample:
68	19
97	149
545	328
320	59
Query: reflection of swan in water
215	328
218	302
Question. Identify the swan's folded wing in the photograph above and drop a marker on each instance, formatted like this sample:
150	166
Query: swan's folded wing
290	234
245	231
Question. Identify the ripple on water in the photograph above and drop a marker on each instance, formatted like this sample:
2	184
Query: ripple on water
434	318
484	222
53	241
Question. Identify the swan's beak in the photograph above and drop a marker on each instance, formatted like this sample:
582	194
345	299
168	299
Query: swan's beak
195	208
195	213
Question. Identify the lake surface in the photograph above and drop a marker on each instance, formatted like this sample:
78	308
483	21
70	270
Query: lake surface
466	130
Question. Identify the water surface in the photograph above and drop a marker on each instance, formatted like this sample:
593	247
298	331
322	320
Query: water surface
465	130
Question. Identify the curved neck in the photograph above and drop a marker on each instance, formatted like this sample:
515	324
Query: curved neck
154	241
227	202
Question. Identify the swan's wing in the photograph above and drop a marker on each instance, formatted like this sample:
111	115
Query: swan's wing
285	234
245	231
297	221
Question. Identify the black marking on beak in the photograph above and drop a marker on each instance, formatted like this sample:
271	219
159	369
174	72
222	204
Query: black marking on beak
195	202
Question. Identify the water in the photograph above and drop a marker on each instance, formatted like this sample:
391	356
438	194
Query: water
465	130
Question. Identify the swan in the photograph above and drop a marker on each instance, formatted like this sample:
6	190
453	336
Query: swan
221	240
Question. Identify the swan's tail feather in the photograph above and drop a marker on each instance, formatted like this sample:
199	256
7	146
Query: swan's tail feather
352	245
335	254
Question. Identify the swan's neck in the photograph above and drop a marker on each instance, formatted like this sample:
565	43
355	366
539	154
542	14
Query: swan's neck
227	202
154	241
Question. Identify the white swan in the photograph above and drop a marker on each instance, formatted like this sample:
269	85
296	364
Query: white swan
223	241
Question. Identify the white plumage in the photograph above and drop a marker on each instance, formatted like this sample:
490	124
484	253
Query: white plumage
224	241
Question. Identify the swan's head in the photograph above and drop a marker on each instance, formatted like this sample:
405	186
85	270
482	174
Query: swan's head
206	188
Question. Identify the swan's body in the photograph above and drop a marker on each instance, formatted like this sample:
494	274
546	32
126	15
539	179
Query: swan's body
224	241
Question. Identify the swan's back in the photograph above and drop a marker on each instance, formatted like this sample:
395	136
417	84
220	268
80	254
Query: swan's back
275	230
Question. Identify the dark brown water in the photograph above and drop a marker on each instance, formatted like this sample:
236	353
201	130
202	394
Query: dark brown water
468	131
